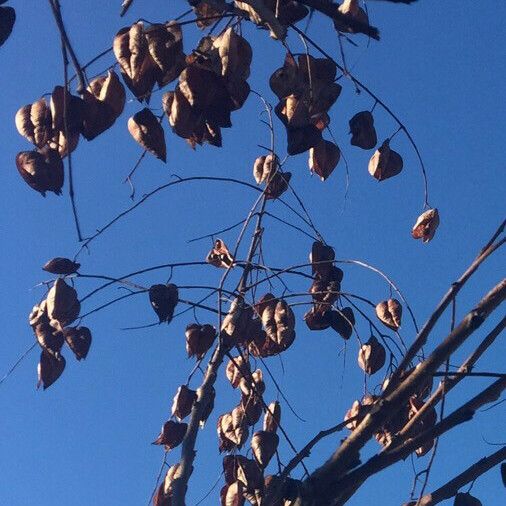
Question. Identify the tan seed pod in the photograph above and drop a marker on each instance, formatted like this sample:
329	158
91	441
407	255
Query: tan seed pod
171	435
321	258
318	319
62	303
33	121
63	104
264	445
145	128
63	145
426	225
48	338
131	50
183	402
253	384
285	322
232	495
385	162
109	90
264	167
272	417
235	54
323	158
363	133
352	10
287	80
389	313
371	356
236	371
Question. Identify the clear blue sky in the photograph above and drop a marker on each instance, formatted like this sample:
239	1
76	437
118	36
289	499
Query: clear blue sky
86	440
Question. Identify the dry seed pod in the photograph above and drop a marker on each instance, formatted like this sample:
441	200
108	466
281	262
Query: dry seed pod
358	411
264	166
389	313
272	417
220	256
199	338
78	340
385	162
49	369
277	185
466	499
48	338
320	69
252	407
343	322
183	402
62	303
232	495
208	409
252	384
371	356
351	9
318	319
145	128
33	121
293	112
7	20
285	321
426	225
42	170
323	158
264	445
164	493
321	258
231	436
287	80
171	435
301	139
236	371
60	265
163	299
324	291
63	104
363	133
238	467
265	301
235	54
63	145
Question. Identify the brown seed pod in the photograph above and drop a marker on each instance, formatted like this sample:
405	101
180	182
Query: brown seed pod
371	356
277	185
238	467
264	445
163	299
145	128
63	104
33	122
288	79
7	20
363	133
104	100
323	158
466	499
252	407
78	340
389	313
265	301
231	435
62	303
165	490
321	258
236	371
352	10
385	162
60	265
318	319
49	369
264	167
42	170
272	417
325	291
252	384
343	321
208	409
426	225
235	55
171	435
199	338
220	256
48	338
232	495
358	411
183	402
63	145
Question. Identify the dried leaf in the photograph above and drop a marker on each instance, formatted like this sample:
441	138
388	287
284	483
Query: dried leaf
390	312
62	303
426	225
371	356
145	128
60	265
78	340
163	299
363	133
323	158
385	162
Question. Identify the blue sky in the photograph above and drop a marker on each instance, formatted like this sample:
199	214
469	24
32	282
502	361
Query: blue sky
86	440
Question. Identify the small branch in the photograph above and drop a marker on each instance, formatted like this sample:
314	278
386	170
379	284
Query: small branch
18	361
125	6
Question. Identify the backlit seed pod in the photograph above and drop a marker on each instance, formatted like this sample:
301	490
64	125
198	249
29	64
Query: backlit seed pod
343	321
323	158
385	162
165	490
389	313
38	314
426	225
42	170
301	139
63	306
49	369
265	301
60	265
63	145
183	402
287	80
232	495
252	407
236	370
104	100
208	409
466	499
264	167
163	299
426	448
252	384
235	55
358	411
321	258
351	9
171	435
239	92
7	20
78	340
371	356
324	291
293	112
264	445
363	133
33	121
220	256
318	319
63	106
238	467
285	321
231	436
145	128
272	417
48	338
199	338
277	185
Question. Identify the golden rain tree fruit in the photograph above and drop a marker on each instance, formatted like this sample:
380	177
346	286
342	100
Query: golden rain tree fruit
183	402
371	356
33	122
199	339
426	225
78	340
323	158
145	128
264	445
389	312
171	435
220	256
49	369
272	417
62	303
42	170
385	162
